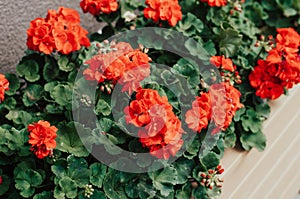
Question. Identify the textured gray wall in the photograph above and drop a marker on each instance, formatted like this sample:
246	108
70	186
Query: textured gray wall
15	17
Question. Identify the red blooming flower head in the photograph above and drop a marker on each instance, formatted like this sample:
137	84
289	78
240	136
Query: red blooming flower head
259	75
58	31
222	62
160	130
4	86
198	117
165	10
121	65
287	37
40	36
225	102
217	3
42	138
95	7
270	90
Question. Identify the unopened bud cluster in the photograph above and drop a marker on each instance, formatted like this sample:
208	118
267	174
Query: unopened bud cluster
266	43
88	191
86	100
231	77
211	178
237	5
107	87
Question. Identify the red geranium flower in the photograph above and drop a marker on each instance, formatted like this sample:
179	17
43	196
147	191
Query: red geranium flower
270	90
281	68
198	117
165	10
42	138
222	62
217	3
122	65
40	36
225	102
95	7
60	31
4	86
160	129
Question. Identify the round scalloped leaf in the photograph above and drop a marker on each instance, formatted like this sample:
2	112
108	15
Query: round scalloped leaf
29	69
97	174
14	84
32	94
26	181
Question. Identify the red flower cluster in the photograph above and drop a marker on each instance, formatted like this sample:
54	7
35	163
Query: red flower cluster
225	102
198	117
227	69
160	129
218	105
217	3
165	10
281	69
60	31
42	138
4	86
123	64
223	63
95	7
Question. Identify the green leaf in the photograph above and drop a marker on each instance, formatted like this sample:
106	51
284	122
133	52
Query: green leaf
62	94
250	140
50	70
185	192
263	109
105	124
193	149
44	195
67	188
210	160
112	186
64	64
196	49
10	103
15	139
230	140
78	170
26	181
29	69
251	121
69	141
59	168
164	179
166	175
185	68
32	94
184	169
230	42
19	117
238	114
190	25
14	84
103	108
199	192
98	172
210	48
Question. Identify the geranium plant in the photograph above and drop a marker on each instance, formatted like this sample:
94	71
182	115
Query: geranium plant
145	107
